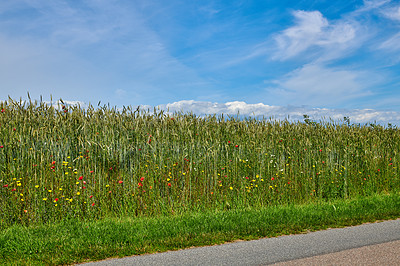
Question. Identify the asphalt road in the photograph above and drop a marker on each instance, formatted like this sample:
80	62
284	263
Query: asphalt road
380	241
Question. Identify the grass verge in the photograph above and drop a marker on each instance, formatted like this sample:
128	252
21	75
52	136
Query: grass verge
74	241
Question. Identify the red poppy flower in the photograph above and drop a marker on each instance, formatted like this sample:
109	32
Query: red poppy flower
140	184
53	162
141	179
169	184
236	145
120	181
2	110
91	196
93	204
272	178
1	146
5	186
56	199
80	178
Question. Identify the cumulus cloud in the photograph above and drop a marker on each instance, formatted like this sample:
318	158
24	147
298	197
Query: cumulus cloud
258	110
312	29
293	113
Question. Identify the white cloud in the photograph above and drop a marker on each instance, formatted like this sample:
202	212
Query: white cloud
260	110
283	112
313	30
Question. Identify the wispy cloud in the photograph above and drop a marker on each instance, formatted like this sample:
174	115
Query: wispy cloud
317	85
312	29
391	44
95	46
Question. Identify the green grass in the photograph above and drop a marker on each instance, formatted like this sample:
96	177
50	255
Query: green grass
68	175
73	241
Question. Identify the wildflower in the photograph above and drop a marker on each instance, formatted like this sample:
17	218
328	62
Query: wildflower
84	182
83	187
107	185
25	211
236	145
93	204
120	181
78	193
56	199
91	196
169	184
140	184
5	186
37	186
80	178
272	178
45	199
91	172
230	188
1	146
53	162
142	179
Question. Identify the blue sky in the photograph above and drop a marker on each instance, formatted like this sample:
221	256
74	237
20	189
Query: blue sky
341	57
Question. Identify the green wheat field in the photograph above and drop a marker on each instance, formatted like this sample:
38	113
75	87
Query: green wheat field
92	163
